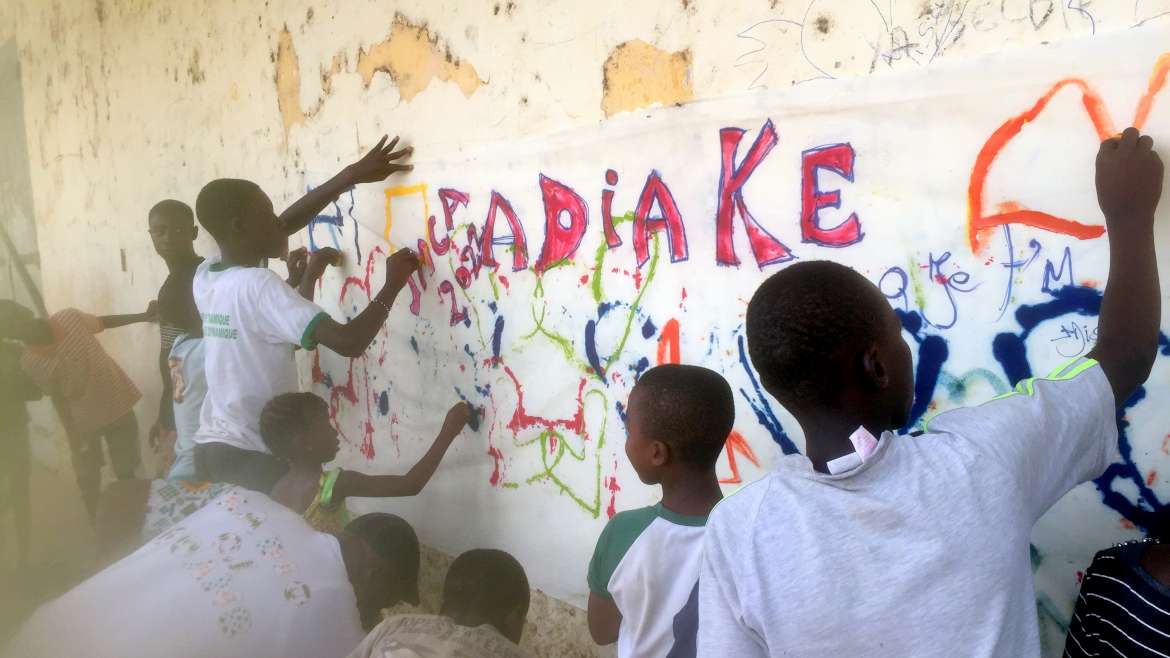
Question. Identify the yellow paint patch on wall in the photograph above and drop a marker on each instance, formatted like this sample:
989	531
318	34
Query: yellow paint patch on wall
412	57
288	81
638	75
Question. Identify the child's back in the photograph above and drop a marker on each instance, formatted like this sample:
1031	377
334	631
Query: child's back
917	545
643	578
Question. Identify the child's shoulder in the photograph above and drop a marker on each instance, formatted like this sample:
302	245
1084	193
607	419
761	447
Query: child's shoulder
641	516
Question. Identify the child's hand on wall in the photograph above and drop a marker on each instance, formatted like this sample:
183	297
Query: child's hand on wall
457	418
1129	180
399	267
379	163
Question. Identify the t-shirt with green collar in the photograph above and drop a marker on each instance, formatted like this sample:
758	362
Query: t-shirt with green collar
252	321
647	560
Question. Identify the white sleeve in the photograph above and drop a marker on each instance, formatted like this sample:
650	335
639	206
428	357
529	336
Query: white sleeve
282	315
722	631
1050	434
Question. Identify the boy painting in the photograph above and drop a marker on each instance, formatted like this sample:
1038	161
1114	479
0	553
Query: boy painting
252	319
877	544
643	578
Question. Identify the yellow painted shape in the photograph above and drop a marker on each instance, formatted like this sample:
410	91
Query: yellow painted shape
406	190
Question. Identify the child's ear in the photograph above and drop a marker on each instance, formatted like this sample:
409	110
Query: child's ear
238	225
660	453
874	369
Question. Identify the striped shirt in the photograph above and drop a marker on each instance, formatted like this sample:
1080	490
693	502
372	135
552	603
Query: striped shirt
95	390
1122	609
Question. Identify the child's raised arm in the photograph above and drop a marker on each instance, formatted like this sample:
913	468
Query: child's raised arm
352	338
351	484
1129	185
375	166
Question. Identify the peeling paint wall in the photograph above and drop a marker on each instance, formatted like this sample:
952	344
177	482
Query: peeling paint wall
131	101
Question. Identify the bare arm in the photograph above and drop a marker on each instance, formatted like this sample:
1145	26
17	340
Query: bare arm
115	321
351	484
352	338
604	619
1129	185
315	269
375	166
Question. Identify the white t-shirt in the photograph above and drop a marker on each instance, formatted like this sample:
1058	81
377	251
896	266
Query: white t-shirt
252	320
922	550
647	561
244	576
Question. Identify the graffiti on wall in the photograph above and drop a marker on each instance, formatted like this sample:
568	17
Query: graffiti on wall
554	275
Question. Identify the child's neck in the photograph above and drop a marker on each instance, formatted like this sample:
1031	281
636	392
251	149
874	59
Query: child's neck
691	493
181	262
230	253
826	434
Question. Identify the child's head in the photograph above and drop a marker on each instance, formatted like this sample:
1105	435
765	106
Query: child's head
383	566
824	339
296	428
679	418
239	215
487	586
172	229
19	323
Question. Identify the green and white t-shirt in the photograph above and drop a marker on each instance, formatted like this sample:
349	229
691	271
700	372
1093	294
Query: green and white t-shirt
647	560
252	320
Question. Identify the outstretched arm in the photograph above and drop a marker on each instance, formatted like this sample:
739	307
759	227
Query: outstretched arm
375	166
351	484
352	338
1129	185
605	620
318	261
115	321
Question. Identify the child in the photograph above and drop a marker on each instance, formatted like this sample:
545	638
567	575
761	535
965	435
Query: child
172	231
16	389
92	395
244	576
643	577
252	319
296	428
485	603
895	546
1125	598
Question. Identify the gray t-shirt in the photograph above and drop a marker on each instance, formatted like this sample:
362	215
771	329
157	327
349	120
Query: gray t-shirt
923	550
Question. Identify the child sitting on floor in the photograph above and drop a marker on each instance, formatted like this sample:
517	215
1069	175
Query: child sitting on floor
296	428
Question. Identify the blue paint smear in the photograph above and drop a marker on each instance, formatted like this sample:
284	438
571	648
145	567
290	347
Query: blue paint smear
762	408
497	335
640	367
484	390
932	353
384	403
648	329
622	412
492	306
328	380
414	344
467	350
591	348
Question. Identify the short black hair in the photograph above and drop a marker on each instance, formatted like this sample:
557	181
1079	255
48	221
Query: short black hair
283	418
485	586
392	538
689	408
221	200
171	208
798	321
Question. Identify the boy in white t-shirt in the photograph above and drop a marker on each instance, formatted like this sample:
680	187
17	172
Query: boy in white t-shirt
253	320
917	546
643	578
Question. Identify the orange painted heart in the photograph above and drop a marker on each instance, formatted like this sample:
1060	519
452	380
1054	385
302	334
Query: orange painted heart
980	226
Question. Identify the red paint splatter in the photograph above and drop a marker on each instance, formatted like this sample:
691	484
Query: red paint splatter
637	279
504	280
1127	524
1152	478
552	443
497	457
1090	283
1166	445
612	485
584	279
522	420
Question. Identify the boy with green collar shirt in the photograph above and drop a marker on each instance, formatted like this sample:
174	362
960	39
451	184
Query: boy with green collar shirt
643	578
253	320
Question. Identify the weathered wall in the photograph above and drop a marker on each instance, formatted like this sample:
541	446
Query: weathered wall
133	101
